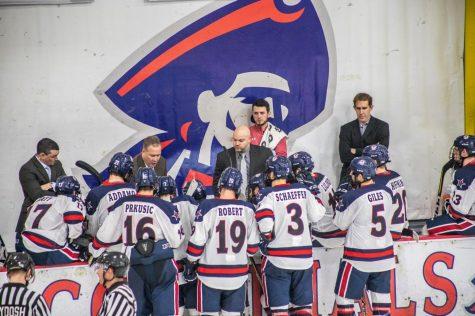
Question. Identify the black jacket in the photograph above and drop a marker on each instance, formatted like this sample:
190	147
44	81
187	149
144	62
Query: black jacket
227	158
377	131
32	176
160	167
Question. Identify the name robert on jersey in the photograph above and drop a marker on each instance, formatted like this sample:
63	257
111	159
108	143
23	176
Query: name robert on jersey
292	195
230	211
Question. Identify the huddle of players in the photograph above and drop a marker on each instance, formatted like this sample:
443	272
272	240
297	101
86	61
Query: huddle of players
222	232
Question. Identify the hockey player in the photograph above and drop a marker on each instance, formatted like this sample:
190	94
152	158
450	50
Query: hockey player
195	189
324	232
101	198
254	188
225	235
149	228
54	223
284	215
391	179
461	206
111	268
368	256
15	297
186	205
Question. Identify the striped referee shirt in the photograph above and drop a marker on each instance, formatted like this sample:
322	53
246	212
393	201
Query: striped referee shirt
119	300
17	300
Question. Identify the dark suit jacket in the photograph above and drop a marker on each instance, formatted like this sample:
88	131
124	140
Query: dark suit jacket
32	175
160	167
377	131
257	162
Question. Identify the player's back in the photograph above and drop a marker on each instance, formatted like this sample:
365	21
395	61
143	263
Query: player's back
225	232
17	299
101	198
366	213
462	200
148	217
51	221
288	210
186	206
394	182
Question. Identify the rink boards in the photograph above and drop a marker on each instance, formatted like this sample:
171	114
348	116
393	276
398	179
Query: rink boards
434	276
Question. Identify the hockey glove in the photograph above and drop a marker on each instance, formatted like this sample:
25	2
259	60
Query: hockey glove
189	271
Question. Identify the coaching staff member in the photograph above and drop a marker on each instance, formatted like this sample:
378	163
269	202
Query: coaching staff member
247	158
357	134
151	156
37	177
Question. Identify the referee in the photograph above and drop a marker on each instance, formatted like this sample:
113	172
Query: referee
119	300
15	298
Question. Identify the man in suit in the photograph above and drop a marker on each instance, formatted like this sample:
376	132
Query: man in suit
247	158
37	179
356	135
151	156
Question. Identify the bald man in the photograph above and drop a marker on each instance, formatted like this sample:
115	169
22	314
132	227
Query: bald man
247	158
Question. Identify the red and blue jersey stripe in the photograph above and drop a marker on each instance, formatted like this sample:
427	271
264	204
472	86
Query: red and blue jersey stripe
368	254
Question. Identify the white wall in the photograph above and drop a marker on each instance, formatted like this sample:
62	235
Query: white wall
407	54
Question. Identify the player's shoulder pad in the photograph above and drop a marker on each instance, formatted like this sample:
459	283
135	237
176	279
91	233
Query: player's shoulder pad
185	198
122	200
288	186
168	208
464	177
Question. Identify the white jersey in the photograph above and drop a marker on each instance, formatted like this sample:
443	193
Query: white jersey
366	214
324	232
225	234
51	221
462	196
101	198
393	181
187	207
287	210
136	217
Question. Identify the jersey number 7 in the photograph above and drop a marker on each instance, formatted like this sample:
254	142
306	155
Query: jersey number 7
41	209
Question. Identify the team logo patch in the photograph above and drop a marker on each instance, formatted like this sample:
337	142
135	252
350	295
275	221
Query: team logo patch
195	82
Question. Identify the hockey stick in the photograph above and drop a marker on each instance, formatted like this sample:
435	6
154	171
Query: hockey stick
258	276
90	169
448	165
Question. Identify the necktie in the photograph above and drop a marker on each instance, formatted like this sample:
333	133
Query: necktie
243	169
48	171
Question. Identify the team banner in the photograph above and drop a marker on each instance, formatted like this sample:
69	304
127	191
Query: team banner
434	276
193	83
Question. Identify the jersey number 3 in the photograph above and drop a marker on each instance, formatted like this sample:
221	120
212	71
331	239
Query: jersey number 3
296	227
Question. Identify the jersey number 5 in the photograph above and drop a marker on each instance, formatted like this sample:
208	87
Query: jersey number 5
378	218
